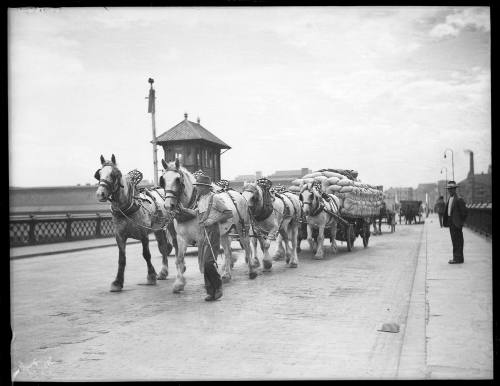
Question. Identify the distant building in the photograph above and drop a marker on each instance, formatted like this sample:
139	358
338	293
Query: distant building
285	177
198	147
281	177
245	177
399	193
427	192
476	188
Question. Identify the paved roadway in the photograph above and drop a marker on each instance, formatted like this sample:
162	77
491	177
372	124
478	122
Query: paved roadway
318	321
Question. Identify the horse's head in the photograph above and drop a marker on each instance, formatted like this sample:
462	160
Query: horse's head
308	196
174	180
109	177
252	194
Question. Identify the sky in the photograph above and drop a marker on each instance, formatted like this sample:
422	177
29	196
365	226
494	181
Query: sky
381	90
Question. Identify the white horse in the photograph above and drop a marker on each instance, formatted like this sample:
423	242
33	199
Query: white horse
274	215
178	184
318	215
135	215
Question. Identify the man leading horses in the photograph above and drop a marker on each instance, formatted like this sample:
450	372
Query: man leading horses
211	211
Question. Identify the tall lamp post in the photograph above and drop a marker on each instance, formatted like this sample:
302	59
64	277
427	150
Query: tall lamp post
452	164
151	109
446	181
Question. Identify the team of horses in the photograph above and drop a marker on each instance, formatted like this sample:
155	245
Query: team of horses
259	215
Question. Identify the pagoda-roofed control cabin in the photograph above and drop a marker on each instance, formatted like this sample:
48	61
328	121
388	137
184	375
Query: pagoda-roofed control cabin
199	148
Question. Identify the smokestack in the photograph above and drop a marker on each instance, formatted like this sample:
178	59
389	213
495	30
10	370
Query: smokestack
471	162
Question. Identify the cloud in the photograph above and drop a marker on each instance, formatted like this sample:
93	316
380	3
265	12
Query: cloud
456	22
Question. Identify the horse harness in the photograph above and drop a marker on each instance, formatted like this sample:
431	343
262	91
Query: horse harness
266	211
224	188
326	204
132	204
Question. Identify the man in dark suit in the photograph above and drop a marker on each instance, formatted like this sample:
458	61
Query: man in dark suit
454	217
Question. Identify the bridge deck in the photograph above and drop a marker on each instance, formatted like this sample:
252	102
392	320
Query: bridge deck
318	321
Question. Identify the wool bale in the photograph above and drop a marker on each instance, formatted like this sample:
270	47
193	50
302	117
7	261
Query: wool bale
333	180
297	182
307	180
294	188
320	178
333	188
345	182
312	175
346	189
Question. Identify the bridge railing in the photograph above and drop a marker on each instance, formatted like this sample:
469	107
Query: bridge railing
479	218
52	228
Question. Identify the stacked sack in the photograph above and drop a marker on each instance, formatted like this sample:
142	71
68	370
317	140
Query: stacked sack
356	198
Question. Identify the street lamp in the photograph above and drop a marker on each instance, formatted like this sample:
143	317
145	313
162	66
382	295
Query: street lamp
452	164
446	177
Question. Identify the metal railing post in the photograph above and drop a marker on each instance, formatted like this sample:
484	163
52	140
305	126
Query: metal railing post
31	231
98	226
68	226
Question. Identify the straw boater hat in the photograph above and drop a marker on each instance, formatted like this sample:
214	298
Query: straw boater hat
451	185
203	180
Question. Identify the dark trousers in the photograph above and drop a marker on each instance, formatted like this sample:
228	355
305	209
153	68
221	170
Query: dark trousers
440	219
457	239
207	256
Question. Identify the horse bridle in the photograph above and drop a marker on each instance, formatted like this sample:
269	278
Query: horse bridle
111	186
169	193
252	189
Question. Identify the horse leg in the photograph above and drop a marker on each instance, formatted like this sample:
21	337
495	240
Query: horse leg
227	258
151	278
333	231
320	241
267	260
180	281
165	248
294	260
251	262
310	238
117	285
254	245
280	251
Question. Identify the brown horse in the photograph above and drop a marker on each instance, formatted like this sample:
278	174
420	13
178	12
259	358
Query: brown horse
135	215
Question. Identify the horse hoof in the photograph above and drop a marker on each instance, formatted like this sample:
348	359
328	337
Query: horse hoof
151	281
267	265
226	279
256	264
178	288
162	276
317	257
115	288
293	265
277	258
252	275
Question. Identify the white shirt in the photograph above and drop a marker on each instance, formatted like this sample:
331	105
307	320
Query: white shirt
450	203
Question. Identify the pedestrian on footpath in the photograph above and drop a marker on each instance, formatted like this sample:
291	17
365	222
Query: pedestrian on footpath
439	209
211	211
454	217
